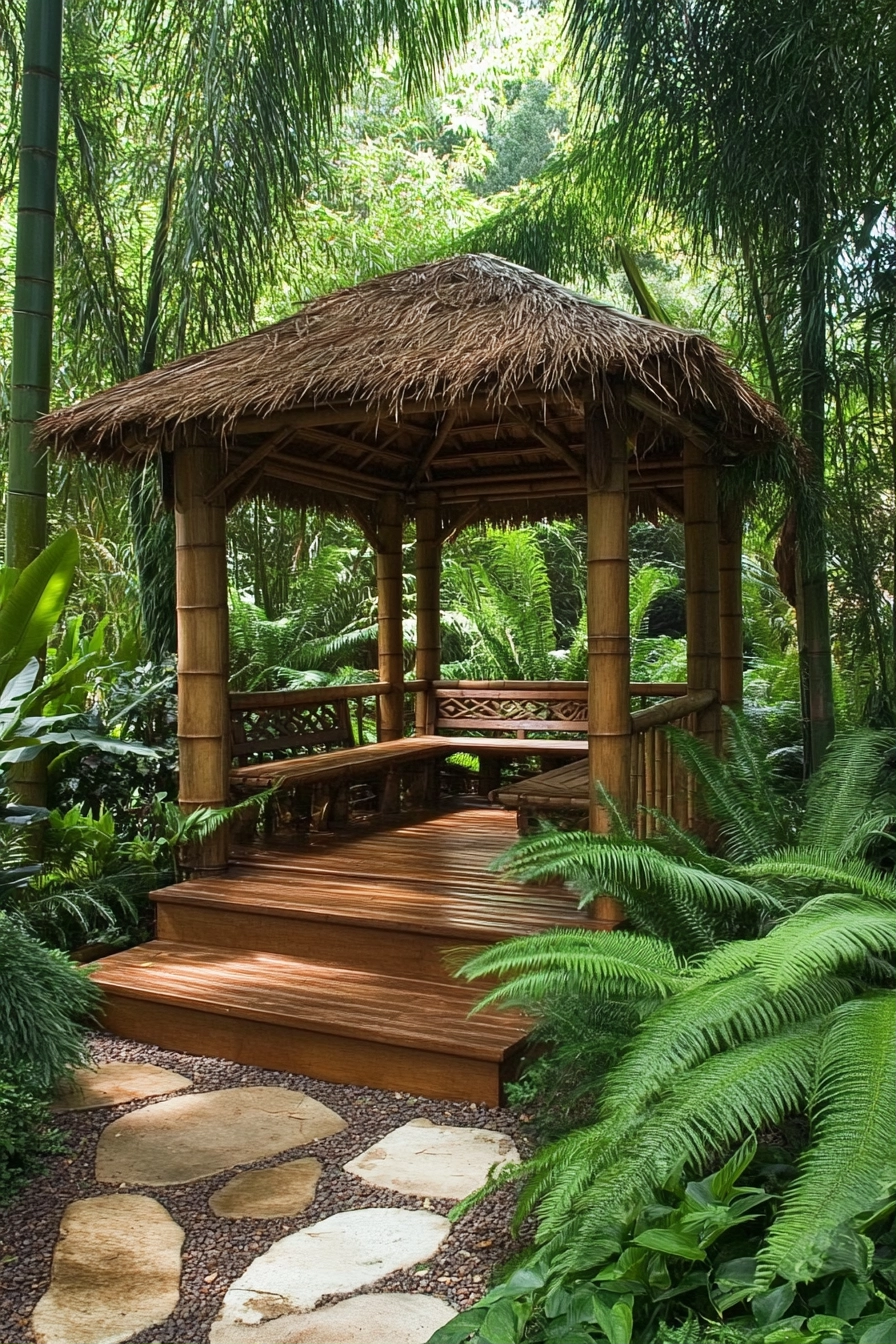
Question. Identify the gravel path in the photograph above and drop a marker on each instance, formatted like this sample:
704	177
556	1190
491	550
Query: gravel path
217	1250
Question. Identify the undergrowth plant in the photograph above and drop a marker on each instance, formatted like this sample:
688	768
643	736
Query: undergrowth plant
774	998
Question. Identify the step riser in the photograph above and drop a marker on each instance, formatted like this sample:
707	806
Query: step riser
333	1059
357	947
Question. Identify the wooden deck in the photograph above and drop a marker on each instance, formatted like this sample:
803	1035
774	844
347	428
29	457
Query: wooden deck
326	957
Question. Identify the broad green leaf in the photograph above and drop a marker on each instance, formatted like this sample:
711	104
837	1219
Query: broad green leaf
771	1306
33	606
669	1242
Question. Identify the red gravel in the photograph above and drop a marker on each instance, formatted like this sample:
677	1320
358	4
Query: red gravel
217	1250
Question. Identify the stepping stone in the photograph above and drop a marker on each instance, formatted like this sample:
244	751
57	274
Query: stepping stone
112	1084
116	1270
442	1161
272	1192
372	1318
338	1255
187	1138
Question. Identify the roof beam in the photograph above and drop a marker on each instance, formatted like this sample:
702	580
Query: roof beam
435	446
653	409
254	459
550	441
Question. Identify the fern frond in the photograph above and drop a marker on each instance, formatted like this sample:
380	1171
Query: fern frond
595	864
824	866
707	1110
736	792
852	1160
845	787
705	1020
826	936
563	961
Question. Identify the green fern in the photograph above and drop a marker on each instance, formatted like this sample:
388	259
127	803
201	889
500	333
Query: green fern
851	781
570	961
750	1030
851	1163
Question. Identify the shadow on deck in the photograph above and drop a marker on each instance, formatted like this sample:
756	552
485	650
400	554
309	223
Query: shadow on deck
326	957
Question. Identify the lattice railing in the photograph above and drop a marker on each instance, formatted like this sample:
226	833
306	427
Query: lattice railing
274	724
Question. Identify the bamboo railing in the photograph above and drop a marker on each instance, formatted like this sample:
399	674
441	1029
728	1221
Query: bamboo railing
659	781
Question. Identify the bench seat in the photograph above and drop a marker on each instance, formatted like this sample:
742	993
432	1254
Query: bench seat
351	762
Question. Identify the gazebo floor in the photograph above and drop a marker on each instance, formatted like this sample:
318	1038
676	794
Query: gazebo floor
326	957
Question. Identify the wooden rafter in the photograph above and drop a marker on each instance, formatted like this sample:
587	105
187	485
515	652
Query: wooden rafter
460	521
669	420
549	440
435	446
366	524
242	468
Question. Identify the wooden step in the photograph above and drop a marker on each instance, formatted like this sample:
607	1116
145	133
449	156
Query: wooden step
329	1022
365	924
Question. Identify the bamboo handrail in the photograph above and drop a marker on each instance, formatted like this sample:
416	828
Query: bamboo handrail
307	695
669	710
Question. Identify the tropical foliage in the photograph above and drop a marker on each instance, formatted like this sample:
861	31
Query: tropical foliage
730	1030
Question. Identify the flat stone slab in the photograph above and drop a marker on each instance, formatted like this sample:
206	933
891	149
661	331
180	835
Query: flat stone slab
371	1318
187	1138
272	1192
338	1255
442	1161
116	1270
112	1084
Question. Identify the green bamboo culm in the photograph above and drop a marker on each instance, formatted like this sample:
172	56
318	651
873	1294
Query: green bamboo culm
26	506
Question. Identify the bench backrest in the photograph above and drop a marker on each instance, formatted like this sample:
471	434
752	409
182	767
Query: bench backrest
284	724
466	710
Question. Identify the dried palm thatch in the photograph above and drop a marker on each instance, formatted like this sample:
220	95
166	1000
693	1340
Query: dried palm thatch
435	335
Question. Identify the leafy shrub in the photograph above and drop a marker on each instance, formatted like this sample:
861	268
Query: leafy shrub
43	997
796	1016
686	1255
26	1133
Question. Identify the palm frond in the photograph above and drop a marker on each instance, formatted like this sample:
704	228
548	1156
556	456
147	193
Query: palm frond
852	1161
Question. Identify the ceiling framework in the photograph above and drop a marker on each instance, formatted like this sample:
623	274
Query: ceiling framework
477	457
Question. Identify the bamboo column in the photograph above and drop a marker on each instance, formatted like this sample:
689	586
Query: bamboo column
429	636
390	518
609	645
203	655
701	576
731	615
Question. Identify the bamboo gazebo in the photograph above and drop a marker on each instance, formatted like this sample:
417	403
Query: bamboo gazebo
448	393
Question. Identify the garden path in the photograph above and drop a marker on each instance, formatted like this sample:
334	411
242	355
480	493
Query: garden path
221	1203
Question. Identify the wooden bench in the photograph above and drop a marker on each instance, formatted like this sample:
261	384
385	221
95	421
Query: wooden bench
657	781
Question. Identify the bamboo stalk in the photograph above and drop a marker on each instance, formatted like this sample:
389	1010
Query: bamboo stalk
667	711
203	702
701	562
429	638
390	641
609	650
32	341
731	642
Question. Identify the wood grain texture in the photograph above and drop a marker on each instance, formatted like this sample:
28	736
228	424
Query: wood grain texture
327	957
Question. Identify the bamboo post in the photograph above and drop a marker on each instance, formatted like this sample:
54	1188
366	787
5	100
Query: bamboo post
731	616
203	656
609	646
429	643
701	572
32	315
390	642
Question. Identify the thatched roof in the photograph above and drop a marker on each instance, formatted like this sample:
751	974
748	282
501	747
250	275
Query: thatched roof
487	357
